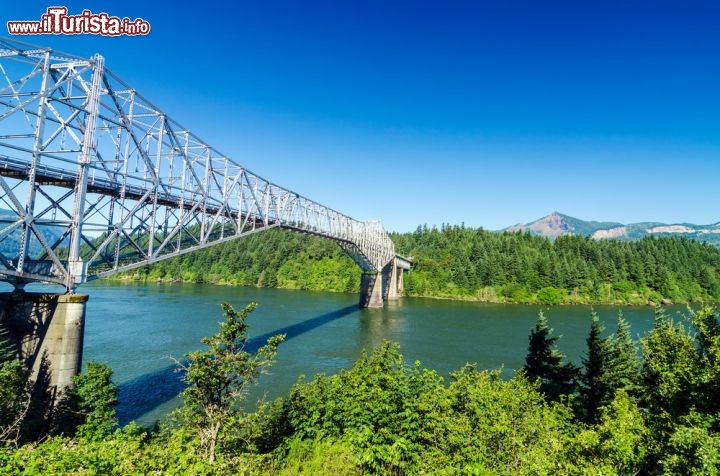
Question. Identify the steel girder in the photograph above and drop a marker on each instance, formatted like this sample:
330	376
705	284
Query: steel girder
95	180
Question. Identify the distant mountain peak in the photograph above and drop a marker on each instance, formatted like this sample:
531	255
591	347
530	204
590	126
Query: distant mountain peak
558	224
552	226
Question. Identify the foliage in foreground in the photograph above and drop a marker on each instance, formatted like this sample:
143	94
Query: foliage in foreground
622	415
219	378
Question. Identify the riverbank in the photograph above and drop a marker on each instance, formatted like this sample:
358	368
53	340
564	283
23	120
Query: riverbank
467	264
488	295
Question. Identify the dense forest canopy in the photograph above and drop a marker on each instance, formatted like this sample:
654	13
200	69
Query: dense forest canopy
455	261
469	263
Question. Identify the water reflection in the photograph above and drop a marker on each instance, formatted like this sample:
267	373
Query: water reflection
134	328
142	394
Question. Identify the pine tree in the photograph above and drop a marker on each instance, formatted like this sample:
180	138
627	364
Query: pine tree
670	368
705	321
623	371
540	355
544	362
594	390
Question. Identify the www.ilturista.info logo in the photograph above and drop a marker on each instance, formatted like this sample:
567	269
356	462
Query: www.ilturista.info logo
56	21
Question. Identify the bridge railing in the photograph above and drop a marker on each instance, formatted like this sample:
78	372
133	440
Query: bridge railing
95	179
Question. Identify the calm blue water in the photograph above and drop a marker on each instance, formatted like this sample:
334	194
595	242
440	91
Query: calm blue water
139	329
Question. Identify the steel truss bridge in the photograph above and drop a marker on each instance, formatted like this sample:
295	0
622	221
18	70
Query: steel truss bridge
96	180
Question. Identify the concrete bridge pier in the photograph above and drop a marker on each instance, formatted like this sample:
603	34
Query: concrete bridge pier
48	331
371	290
390	273
376	288
400	281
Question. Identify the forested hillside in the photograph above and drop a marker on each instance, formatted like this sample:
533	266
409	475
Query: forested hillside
519	267
273	258
469	263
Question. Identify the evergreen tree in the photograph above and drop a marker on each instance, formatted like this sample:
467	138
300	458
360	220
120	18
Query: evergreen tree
594	390
623	370
680	385
705	321
544	362
669	370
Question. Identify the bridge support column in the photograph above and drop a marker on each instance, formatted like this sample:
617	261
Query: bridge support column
400	281
391	274
371	290
376	288
48	330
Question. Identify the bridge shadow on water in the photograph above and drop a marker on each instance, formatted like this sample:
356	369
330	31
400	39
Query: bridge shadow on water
146	392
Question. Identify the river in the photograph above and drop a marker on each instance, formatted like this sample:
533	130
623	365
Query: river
139	329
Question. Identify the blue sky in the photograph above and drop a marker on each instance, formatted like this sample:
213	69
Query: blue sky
483	112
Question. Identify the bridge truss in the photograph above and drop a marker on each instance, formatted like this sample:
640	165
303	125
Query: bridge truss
95	180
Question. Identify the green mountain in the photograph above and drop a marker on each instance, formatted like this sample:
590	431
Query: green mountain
556	224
